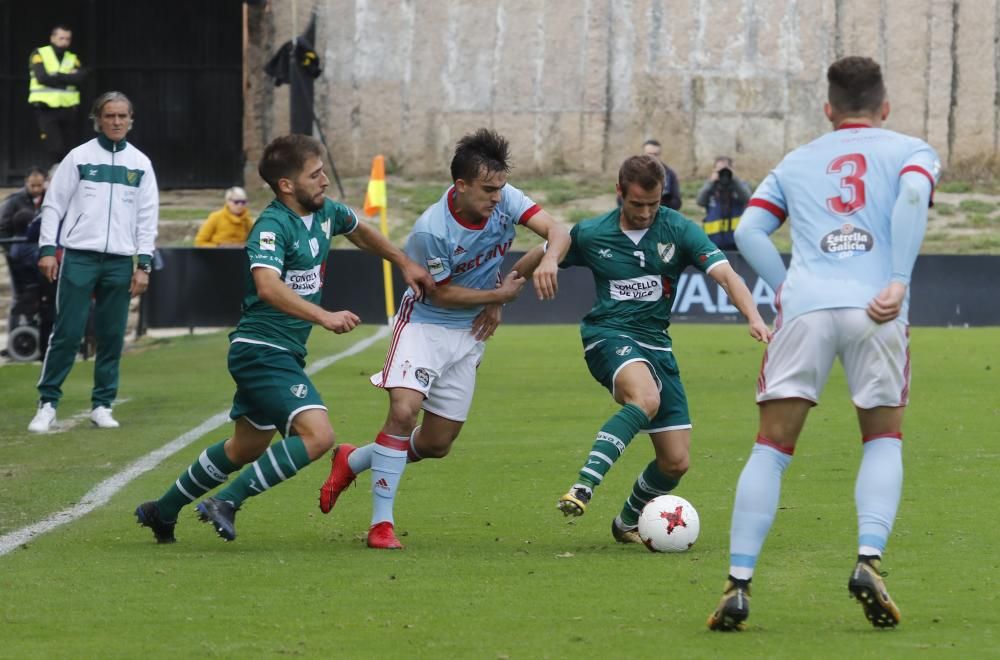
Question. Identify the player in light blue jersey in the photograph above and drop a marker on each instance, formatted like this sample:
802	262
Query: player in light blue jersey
857	201
438	341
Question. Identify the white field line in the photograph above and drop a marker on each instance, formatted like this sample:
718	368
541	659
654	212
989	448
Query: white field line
104	491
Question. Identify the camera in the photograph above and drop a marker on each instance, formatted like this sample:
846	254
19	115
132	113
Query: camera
725	175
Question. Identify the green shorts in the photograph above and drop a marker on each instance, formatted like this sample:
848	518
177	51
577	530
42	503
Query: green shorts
607	357
271	386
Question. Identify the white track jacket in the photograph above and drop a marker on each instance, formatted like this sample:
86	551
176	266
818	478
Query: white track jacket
104	194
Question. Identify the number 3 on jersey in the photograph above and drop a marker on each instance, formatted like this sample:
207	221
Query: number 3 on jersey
852	167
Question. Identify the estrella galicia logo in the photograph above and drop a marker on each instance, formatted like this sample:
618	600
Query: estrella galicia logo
847	241
623	350
422	376
299	391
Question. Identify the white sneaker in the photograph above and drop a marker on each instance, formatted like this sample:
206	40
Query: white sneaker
102	419
44	418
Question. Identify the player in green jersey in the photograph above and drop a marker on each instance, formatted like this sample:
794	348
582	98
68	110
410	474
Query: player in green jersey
287	249
636	254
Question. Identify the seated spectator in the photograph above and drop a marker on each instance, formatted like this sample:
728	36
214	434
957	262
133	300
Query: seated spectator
724	197
22	262
27	198
230	225
22	257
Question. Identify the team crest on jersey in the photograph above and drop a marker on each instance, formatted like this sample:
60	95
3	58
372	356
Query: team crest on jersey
314	247
267	240
326	227
666	251
131	176
604	253
299	391
623	350
422	376
847	241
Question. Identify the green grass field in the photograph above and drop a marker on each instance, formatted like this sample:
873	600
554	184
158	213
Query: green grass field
491	569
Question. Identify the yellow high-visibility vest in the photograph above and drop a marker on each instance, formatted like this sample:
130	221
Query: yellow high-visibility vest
54	97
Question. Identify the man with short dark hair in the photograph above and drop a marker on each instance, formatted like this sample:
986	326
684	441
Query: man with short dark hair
53	91
287	248
858	196
438	342
28	198
637	254
671	196
106	191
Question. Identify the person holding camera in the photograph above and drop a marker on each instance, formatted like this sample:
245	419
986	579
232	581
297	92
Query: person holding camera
724	197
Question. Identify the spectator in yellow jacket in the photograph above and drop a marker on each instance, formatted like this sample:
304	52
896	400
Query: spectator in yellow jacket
230	225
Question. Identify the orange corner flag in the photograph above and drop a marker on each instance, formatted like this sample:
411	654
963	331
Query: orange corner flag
375	196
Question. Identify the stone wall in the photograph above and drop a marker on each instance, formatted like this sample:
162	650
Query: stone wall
577	85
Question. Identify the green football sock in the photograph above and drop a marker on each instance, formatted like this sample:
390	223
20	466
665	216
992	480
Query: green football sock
611	441
210	470
651	483
279	462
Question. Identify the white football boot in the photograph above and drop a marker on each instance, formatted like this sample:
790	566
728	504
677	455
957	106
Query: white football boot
44	419
102	419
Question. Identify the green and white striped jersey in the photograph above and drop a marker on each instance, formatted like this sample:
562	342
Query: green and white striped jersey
636	273
297	249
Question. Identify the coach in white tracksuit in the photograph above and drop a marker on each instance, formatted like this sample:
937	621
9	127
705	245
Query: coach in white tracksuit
102	206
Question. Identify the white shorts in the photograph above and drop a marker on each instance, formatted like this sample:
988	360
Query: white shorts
876	358
436	361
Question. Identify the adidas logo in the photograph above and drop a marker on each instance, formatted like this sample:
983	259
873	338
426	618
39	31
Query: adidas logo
383	484
459	250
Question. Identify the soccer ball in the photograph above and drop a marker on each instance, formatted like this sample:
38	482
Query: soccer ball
669	524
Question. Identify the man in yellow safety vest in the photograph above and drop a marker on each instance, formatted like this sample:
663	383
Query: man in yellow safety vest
53	91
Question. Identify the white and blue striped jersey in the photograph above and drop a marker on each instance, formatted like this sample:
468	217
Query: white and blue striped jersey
467	255
839	192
